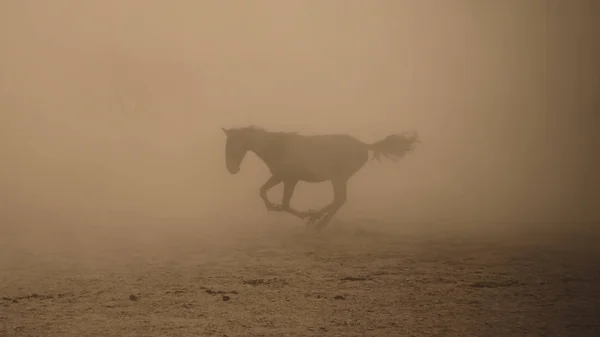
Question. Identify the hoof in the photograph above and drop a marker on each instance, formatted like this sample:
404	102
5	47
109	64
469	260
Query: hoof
314	217
273	207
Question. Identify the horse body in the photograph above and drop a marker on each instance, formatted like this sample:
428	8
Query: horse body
317	158
292	158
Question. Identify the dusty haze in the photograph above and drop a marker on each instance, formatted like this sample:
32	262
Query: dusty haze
114	109
117	106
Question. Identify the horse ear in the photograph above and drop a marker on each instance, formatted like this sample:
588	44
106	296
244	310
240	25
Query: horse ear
412	134
415	136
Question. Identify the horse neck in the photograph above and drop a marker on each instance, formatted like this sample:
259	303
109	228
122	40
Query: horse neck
264	148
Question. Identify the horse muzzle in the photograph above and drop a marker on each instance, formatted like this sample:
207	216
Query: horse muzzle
233	170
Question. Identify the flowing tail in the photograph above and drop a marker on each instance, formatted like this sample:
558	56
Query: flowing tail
394	146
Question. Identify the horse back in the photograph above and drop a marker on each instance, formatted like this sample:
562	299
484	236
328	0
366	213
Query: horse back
322	157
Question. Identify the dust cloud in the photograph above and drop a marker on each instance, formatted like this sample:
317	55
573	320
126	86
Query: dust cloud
117	106
113	109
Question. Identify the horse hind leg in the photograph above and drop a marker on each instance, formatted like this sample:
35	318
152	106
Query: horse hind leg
340	191
314	215
288	191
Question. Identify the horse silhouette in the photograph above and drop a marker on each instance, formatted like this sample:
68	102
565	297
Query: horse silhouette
292	158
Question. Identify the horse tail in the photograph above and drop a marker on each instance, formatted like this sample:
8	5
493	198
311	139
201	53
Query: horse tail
394	146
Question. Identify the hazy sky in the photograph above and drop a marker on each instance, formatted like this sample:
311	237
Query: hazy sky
117	105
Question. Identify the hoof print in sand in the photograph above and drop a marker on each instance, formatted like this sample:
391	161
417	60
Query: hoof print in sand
220	292
32	296
315	295
496	284
354	278
256	282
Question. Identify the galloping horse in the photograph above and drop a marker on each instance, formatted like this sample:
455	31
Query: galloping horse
292	158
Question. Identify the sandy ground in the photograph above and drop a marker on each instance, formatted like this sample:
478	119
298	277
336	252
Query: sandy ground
187	278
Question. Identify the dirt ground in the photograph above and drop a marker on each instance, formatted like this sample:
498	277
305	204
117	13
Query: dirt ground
185	278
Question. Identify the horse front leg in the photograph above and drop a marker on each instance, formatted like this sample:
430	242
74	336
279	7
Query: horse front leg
288	191
272	182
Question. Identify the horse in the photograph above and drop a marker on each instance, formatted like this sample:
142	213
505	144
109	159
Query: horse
292	158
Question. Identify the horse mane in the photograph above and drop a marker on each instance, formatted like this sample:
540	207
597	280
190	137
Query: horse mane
259	129
254	128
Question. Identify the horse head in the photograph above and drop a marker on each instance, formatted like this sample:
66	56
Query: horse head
235	149
239	142
411	138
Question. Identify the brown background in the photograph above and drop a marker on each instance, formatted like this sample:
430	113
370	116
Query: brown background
110	117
